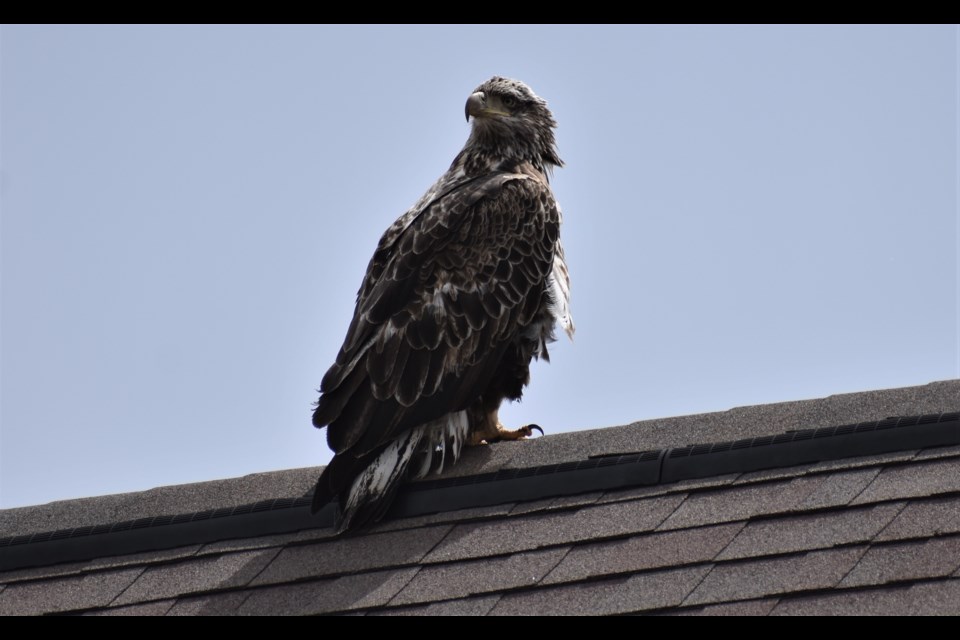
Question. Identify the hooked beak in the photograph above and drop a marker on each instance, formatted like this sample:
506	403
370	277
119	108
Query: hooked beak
476	105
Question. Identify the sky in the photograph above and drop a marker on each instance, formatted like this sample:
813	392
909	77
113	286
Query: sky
751	215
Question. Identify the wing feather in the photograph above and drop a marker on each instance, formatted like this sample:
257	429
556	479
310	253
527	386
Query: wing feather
442	297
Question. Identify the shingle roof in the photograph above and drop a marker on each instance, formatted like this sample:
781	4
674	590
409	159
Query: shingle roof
873	534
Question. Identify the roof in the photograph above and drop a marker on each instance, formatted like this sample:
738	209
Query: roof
869	534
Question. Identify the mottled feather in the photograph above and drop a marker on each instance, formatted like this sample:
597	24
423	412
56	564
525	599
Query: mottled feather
461	292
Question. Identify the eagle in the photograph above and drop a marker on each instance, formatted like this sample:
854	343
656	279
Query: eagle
462	292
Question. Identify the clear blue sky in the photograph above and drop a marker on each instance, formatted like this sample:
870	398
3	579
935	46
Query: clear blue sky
752	214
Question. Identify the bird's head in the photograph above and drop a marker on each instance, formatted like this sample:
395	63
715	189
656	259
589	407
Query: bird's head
511	122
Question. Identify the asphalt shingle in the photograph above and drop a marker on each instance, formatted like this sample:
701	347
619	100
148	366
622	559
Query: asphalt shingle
252	544
108	562
159	608
863	461
906	561
774	576
292	483
460	579
553	504
933	453
640	592
683	486
524	533
39	573
148	557
743	608
808	532
219	604
66	594
925	518
198	575
361	591
445	517
650	551
736	503
940	597
876	534
909	481
836	489
474	606
352	554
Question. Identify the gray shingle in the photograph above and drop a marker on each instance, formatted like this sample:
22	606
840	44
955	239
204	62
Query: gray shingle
533	506
108	562
914	480
579	500
923	518
815	491
933	453
648	435
809	532
906	561
618	563
149	609
524	533
475	606
775	576
445	517
743	608
640	592
66	594
864	461
250	544
683	486
185	498
940	597
351	554
38	573
552	504
655	550
741	422
264	542
460	579
197	575
218	604
737	503
836	489
147	557
360	591
766	475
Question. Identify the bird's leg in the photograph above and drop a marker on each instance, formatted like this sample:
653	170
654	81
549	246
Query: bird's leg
490	430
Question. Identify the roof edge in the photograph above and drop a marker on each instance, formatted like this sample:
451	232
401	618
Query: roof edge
603	473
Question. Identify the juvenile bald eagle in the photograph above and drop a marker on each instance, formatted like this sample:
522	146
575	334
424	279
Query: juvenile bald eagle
464	289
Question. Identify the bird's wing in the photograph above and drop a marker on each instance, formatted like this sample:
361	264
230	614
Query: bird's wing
439	303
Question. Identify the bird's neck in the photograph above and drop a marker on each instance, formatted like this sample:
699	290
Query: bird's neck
483	157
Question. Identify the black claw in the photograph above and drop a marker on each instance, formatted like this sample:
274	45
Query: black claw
535	426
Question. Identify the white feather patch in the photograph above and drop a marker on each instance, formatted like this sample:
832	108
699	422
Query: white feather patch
383	473
559	282
432	446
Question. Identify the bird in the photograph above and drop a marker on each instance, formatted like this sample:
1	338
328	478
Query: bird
463	291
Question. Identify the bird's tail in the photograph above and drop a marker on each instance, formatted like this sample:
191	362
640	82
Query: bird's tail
413	455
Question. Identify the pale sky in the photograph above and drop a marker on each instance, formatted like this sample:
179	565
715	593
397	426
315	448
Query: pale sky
752	215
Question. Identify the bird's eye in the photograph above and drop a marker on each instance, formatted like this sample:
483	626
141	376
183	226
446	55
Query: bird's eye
509	102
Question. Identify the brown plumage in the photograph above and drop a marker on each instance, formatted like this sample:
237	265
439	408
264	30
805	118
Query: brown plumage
463	290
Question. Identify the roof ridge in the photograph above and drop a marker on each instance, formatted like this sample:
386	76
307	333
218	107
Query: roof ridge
283	515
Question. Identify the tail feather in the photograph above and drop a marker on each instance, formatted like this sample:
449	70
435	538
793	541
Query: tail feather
428	448
373	490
